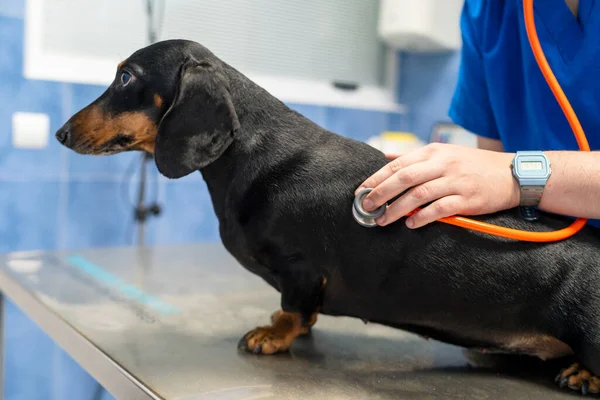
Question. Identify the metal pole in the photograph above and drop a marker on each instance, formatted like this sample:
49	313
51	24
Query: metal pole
141	211
141	214
151	27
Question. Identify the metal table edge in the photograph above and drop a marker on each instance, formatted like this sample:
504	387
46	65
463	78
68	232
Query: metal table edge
119	382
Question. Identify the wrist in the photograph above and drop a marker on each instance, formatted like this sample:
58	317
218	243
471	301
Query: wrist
507	189
514	190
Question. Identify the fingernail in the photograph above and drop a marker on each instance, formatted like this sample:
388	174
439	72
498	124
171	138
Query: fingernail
410	223
368	205
380	220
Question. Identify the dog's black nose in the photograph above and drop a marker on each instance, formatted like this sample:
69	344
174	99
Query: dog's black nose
63	134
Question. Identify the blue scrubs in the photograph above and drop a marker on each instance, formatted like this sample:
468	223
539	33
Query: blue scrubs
501	93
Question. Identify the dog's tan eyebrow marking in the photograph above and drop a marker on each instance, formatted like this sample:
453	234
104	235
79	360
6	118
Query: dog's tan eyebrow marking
121	64
158	101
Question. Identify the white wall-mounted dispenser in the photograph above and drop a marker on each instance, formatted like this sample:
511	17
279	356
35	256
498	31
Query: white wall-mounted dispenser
421	25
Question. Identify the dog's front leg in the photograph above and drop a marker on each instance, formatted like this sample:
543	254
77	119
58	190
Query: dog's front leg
301	295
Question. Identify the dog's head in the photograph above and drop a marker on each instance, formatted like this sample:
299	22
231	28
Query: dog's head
171	98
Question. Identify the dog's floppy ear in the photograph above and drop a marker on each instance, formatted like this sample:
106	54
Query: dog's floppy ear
200	123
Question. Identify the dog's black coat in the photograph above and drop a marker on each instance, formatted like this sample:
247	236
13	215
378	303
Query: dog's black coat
282	188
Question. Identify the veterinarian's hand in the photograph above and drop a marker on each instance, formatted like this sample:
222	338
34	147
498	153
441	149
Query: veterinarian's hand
454	179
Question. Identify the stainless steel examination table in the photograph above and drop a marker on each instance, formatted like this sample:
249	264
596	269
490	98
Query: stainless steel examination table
164	322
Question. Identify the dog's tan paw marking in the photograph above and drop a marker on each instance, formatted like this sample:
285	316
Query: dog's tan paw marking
277	338
266	340
275	316
578	379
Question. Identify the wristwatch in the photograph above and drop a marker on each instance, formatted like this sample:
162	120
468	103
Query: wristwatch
531	169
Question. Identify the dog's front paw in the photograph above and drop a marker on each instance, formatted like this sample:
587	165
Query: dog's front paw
277	338
266	340
578	379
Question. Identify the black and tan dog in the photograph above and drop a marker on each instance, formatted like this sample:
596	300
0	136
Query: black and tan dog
282	188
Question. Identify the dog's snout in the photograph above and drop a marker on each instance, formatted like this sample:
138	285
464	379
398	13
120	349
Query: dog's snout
63	134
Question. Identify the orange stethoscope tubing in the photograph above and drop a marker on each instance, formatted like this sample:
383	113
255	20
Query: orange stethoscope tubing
582	142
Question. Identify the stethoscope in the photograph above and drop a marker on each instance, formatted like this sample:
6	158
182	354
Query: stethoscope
362	216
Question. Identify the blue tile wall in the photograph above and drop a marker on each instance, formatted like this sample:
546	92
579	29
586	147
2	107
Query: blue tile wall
356	124
316	114
18	95
29	215
12	8
54	199
11	47
427	82
188	213
98	214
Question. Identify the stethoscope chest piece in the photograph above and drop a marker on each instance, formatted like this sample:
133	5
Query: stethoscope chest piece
363	217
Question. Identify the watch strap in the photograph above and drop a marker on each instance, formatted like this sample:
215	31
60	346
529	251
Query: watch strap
531	195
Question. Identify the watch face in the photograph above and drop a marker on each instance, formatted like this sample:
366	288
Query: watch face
532	167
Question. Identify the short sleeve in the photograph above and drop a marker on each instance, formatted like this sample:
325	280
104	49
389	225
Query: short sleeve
470	106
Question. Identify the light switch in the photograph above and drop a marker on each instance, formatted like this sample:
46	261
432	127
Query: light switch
30	130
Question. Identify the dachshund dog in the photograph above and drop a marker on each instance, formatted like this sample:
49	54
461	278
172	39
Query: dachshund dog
282	188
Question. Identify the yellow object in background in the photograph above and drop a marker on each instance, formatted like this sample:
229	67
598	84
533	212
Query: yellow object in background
395	141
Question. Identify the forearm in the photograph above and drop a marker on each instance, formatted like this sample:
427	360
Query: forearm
574	186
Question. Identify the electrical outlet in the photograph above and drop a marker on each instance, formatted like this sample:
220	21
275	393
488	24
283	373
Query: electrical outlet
30	130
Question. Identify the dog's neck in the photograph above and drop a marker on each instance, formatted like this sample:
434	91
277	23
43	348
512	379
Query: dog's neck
218	175
263	118
269	132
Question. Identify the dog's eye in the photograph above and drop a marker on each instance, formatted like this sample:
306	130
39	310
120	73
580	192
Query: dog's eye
125	78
